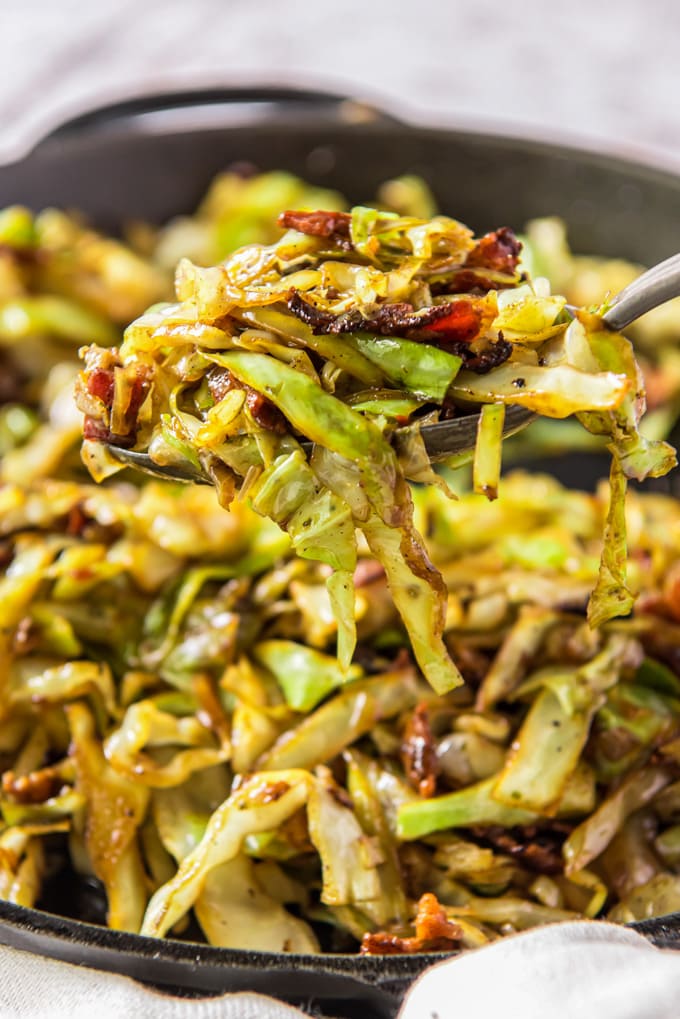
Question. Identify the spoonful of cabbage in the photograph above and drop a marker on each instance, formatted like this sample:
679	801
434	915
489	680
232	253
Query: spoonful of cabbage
457	437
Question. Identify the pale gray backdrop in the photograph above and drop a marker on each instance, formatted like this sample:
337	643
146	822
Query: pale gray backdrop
605	71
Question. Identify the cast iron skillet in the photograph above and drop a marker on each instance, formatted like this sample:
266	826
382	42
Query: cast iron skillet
134	160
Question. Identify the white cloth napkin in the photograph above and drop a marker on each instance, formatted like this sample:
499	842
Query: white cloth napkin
566	971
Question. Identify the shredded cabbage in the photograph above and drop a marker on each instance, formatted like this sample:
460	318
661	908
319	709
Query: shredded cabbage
184	734
222	717
238	401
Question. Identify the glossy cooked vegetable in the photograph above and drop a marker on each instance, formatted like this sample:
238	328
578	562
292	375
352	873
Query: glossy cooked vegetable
587	281
177	729
62	285
183	740
350	325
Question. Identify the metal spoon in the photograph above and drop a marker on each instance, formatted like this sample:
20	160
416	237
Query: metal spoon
448	438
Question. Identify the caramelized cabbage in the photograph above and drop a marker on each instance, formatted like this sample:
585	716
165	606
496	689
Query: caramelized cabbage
221	382
222	717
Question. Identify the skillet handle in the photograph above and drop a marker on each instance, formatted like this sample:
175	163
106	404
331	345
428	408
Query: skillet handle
330	106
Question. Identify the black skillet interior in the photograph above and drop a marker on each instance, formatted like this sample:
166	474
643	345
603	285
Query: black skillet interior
129	161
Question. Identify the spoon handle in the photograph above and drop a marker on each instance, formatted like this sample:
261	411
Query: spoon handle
654	287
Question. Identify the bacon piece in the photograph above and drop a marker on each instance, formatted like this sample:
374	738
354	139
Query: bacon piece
220	381
100	384
460	323
433	933
98	431
457	320
36	787
96	384
333	225
263	411
418	753
322	322
452	326
432	923
493	354
95	393
538	847
139	387
498	251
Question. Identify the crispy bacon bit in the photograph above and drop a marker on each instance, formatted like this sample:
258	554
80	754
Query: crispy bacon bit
490	357
36	787
418	753
382	943
333	225
100	384
264	413
137	394
452	326
98	431
432	923
454	321
481	361
320	321
459	324
95	394
538	847
433	933
498	251
220	381
457	320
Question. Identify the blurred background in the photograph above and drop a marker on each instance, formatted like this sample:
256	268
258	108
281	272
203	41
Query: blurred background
604	73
